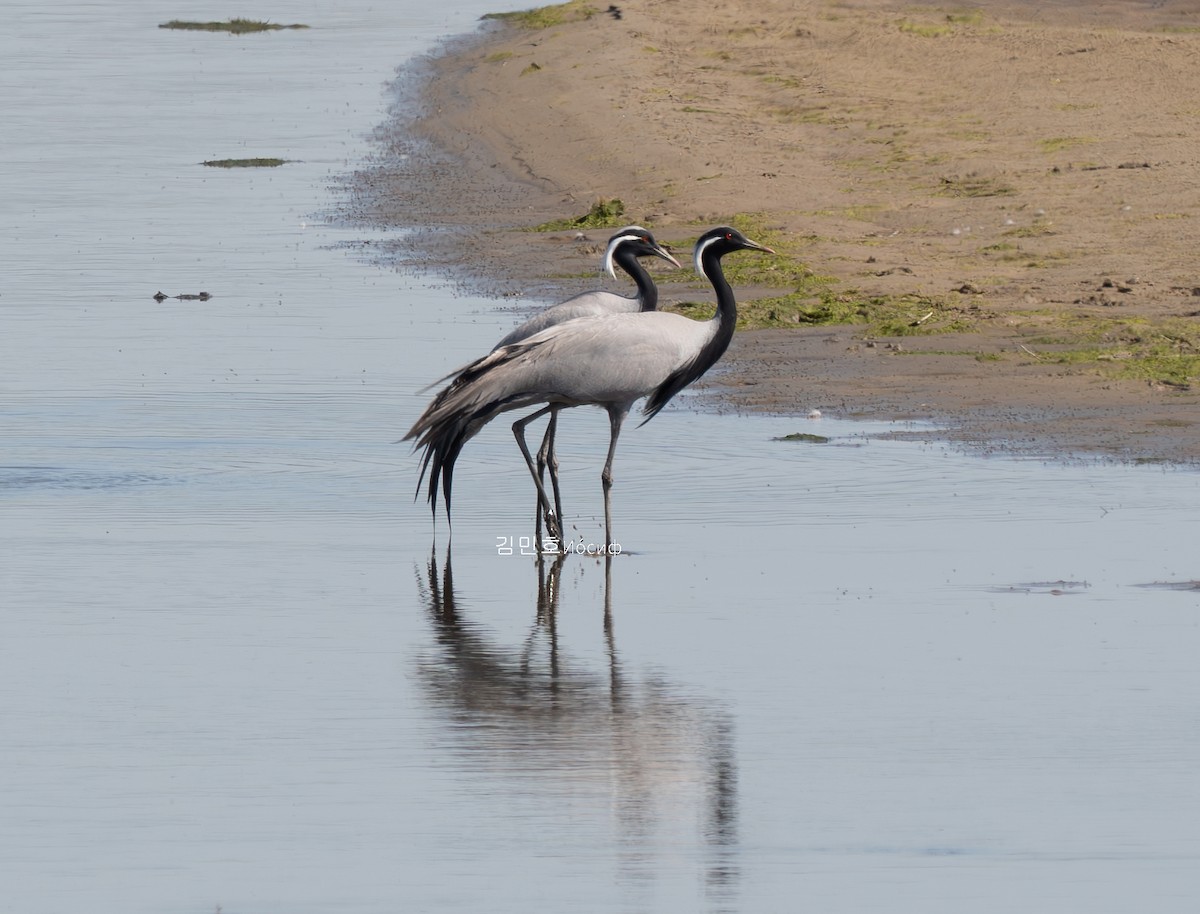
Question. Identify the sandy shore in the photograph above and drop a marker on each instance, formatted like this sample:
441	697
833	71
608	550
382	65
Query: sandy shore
1034	167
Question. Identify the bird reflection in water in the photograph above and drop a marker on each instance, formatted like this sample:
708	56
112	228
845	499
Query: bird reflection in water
588	738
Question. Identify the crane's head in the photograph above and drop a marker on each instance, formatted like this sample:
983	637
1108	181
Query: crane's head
722	240
637	241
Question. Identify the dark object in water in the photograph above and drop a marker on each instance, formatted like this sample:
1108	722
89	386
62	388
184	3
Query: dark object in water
186	296
803	436
261	162
233	26
1171	585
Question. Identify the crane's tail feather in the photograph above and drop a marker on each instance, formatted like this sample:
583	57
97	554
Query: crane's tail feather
442	442
463	407
437	467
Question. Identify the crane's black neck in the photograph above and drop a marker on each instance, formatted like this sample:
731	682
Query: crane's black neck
723	324
725	320
647	291
726	316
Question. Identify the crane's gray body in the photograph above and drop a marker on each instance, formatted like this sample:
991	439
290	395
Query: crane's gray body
587	304
602	361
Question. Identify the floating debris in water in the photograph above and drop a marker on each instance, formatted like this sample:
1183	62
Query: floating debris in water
245	163
233	26
186	296
1054	588
804	436
1171	585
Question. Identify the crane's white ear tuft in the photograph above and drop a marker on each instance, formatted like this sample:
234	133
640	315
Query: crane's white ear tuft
698	259
623	236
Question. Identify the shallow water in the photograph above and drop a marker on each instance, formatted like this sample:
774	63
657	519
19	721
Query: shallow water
238	667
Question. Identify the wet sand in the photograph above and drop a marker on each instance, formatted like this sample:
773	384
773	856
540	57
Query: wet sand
1042	159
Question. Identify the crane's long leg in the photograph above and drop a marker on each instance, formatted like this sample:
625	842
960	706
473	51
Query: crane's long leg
616	416
518	427
548	458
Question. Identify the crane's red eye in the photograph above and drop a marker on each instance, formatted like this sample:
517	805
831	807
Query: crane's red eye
729	236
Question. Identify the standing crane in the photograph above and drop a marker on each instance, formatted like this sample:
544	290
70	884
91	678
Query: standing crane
609	361
623	250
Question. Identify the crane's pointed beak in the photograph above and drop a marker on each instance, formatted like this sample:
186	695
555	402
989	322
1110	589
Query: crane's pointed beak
662	252
755	246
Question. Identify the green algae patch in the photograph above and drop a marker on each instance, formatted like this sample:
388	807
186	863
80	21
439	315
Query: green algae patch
804	298
603	214
782	291
785	269
1158	350
545	17
879	315
803	437
232	26
245	163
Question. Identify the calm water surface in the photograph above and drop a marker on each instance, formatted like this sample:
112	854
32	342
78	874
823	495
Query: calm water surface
238	668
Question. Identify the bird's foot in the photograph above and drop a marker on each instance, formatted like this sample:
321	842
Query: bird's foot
553	541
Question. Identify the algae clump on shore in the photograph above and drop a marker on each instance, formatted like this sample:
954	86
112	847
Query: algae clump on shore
545	17
603	214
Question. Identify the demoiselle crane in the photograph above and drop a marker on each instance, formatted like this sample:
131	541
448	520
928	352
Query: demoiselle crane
623	250
609	361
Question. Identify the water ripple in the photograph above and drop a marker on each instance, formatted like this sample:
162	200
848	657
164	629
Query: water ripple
24	478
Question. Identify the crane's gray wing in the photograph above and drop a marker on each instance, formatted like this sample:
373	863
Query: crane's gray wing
589	304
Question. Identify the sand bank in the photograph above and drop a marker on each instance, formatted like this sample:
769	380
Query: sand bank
1034	168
